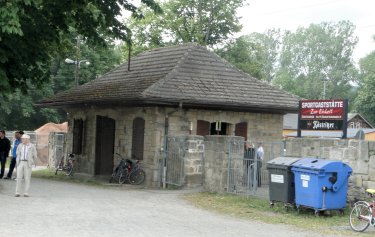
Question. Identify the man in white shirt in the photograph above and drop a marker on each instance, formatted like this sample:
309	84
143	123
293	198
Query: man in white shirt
26	158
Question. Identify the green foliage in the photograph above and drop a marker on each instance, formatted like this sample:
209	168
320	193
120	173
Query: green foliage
32	34
365	101
183	21
18	111
319	52
202	21
17	108
255	54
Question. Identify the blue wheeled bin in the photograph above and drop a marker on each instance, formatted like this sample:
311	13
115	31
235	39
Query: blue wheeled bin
321	184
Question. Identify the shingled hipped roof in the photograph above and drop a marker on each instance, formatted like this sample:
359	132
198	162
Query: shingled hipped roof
187	74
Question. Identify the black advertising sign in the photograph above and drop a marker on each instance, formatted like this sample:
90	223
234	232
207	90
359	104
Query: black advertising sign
320	115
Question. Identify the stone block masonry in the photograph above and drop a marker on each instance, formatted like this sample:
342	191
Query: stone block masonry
358	154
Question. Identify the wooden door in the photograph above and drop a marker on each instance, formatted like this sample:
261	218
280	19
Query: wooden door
203	128
241	130
105	141
138	138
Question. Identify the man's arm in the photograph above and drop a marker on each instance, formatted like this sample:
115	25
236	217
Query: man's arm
7	147
35	154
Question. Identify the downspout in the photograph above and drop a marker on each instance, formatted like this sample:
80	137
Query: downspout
166	131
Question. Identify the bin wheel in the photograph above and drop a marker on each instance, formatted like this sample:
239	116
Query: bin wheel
298	209
317	213
286	207
341	212
272	204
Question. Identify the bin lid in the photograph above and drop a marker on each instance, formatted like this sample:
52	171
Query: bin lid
282	161
315	164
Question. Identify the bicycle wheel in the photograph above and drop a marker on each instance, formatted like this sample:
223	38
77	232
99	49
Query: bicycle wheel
137	177
123	177
69	169
360	216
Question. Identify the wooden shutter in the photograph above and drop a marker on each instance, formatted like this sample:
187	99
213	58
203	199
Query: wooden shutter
241	130
138	138
203	128
77	136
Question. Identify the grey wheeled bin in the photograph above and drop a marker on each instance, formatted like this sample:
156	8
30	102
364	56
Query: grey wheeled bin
281	188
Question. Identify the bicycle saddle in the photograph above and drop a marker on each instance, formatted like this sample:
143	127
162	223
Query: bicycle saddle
370	191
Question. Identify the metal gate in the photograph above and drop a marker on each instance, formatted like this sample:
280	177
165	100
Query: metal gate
172	167
247	173
56	148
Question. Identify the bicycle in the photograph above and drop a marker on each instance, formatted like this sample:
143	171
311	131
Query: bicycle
362	214
128	171
68	167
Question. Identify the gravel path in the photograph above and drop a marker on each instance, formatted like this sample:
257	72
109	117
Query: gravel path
65	209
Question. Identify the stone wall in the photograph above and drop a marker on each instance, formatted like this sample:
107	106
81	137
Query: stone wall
358	154
194	161
261	127
216	161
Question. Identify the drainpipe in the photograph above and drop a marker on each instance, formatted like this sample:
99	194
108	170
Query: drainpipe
166	130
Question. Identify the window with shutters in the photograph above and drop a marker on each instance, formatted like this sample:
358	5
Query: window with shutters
77	136
138	138
241	130
203	128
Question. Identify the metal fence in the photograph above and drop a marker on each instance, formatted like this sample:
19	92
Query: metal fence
172	165
247	173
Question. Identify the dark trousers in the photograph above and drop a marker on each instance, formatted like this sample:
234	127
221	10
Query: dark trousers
11	167
3	160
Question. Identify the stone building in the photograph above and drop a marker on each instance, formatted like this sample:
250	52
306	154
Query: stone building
178	90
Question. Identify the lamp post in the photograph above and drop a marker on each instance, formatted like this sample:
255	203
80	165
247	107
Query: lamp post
77	67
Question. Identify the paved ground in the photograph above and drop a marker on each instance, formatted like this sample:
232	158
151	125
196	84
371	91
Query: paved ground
65	209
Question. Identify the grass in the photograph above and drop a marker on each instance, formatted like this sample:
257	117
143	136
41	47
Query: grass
258	209
61	176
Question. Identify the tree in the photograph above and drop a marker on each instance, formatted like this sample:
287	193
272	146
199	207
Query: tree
207	22
256	54
317	53
17	109
32	32
365	101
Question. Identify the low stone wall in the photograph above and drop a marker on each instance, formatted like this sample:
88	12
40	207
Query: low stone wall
216	161
193	161
205	160
358	154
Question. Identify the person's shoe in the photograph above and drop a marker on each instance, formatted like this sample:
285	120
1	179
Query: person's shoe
17	195
7	177
26	195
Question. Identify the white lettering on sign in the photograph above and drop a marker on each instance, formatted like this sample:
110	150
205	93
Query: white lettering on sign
325	125
322	104
276	178
305	183
305	177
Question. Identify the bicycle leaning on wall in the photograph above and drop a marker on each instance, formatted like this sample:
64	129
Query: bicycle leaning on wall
362	214
128	171
67	166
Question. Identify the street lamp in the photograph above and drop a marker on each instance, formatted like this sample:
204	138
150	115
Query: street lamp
77	67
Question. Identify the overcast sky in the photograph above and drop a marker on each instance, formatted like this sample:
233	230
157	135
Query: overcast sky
260	15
